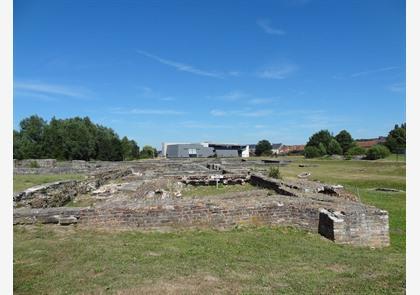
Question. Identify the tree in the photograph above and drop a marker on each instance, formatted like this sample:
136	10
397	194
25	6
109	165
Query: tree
345	140
311	152
130	149
32	131
322	149
323	136
334	148
148	152
378	151
263	148
395	140
70	139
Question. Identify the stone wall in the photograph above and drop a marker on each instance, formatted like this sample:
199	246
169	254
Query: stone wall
354	224
39	163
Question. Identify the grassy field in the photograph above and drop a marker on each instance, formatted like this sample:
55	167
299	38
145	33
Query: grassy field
68	260
22	182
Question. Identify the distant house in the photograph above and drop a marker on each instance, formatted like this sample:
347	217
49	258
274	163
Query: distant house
368	143
274	148
286	149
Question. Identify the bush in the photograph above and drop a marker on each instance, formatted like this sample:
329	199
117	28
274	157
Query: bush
274	172
356	151
311	152
345	140
334	148
263	148
322	149
377	152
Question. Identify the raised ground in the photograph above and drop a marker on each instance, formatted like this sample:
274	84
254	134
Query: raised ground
244	260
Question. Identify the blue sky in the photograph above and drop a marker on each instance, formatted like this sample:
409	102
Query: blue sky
229	71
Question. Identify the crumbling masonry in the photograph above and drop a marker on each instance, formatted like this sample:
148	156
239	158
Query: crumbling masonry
147	195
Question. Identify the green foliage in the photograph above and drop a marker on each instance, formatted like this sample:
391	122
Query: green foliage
345	140
148	152
378	151
311	152
274	172
334	148
322	149
130	149
263	148
356	151
70	139
395	140
323	136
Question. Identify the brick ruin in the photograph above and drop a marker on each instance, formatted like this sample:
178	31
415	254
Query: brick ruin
148	195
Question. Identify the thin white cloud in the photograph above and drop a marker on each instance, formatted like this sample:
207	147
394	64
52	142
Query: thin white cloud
37	96
147	112
237	95
181	66
148	92
265	25
51	89
368	72
242	113
232	96
200	125
397	87
257	101
279	73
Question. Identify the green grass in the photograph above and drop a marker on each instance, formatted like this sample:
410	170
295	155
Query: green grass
210	190
69	260
249	261
22	182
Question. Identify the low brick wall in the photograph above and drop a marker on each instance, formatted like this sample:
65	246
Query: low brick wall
355	224
198	214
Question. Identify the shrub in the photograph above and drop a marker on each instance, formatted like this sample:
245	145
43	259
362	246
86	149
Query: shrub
311	152
377	152
274	172
355	151
345	140
323	136
322	149
334	148
263	148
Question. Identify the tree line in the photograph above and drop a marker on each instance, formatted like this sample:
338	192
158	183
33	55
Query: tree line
324	143
73	139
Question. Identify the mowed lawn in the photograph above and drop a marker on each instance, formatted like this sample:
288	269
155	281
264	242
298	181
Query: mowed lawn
69	260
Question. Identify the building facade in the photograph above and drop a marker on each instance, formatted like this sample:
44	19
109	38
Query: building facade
204	150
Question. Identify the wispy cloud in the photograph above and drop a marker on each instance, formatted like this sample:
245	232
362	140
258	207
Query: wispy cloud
397	87
257	101
146	111
368	72
51	89
242	113
148	92
277	72
37	96
232	96
201	125
237	95
265	24
181	66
